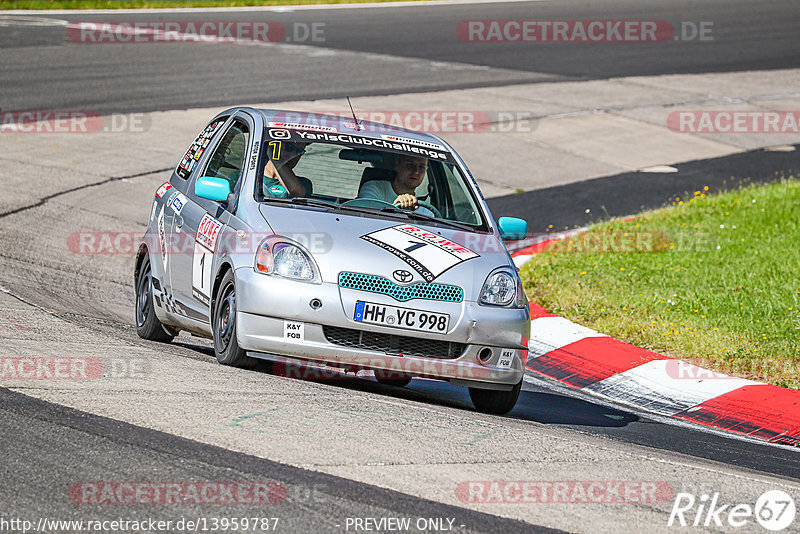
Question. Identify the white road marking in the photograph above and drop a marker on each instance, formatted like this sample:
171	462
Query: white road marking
275	9
307	50
18	20
658	387
551	333
659	169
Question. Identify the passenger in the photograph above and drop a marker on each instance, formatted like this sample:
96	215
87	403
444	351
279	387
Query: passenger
279	177
401	190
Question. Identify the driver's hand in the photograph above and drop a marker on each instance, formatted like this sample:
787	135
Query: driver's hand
406	201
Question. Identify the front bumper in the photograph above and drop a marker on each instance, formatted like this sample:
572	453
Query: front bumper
265	305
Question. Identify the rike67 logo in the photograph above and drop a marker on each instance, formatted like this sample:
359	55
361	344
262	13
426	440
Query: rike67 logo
774	510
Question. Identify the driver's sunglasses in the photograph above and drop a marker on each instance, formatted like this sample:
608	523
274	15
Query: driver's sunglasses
421	167
293	148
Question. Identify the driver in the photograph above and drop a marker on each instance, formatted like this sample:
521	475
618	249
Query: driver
279	177
409	173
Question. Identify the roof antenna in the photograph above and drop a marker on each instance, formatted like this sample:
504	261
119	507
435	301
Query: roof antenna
355	119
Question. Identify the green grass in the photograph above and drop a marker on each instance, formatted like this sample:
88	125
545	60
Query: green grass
713	279
141	4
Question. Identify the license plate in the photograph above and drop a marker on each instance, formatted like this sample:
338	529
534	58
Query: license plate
368	312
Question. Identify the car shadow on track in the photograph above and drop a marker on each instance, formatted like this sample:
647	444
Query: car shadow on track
535	403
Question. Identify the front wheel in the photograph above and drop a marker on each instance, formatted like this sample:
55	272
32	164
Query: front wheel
226	346
493	401
147	324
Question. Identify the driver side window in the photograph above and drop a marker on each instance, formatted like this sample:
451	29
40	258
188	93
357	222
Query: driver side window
227	161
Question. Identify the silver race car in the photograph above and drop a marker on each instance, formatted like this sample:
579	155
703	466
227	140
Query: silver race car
355	244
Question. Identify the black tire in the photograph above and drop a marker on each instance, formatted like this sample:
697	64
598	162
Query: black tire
223	322
392	378
147	324
493	401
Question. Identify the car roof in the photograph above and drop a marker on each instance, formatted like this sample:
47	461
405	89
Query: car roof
342	124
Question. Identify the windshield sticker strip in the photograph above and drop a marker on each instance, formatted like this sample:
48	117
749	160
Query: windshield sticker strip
409	141
296	126
350	139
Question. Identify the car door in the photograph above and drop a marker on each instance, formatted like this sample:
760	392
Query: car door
170	246
200	221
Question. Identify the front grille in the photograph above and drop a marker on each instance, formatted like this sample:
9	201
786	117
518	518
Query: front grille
392	344
384	286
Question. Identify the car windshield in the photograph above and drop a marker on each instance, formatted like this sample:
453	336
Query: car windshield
366	173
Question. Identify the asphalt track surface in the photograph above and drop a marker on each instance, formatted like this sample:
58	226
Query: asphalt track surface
82	305
48	447
92	448
583	203
374	51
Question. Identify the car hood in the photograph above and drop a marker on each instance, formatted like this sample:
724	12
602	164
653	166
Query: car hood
351	243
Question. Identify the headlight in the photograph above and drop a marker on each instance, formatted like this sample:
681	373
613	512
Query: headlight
502	288
284	259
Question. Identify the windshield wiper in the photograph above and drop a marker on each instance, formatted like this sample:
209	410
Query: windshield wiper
302	201
423	217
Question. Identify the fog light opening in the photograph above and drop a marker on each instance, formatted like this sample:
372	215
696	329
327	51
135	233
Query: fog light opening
315	304
485	354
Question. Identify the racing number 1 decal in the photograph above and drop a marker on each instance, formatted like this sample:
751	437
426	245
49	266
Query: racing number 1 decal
204	244
201	273
276	150
427	253
414	246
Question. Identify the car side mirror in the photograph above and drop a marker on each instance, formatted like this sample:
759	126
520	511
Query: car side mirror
211	188
512	228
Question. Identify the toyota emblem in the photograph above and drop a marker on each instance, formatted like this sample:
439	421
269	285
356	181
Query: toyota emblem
402	275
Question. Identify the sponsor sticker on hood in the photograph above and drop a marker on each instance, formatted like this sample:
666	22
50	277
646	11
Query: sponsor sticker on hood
427	253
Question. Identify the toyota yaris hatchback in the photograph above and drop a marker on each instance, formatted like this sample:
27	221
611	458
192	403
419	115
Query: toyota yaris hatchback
360	245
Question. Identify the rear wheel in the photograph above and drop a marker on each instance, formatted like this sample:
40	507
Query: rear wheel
392	378
147	324
493	401
226	347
